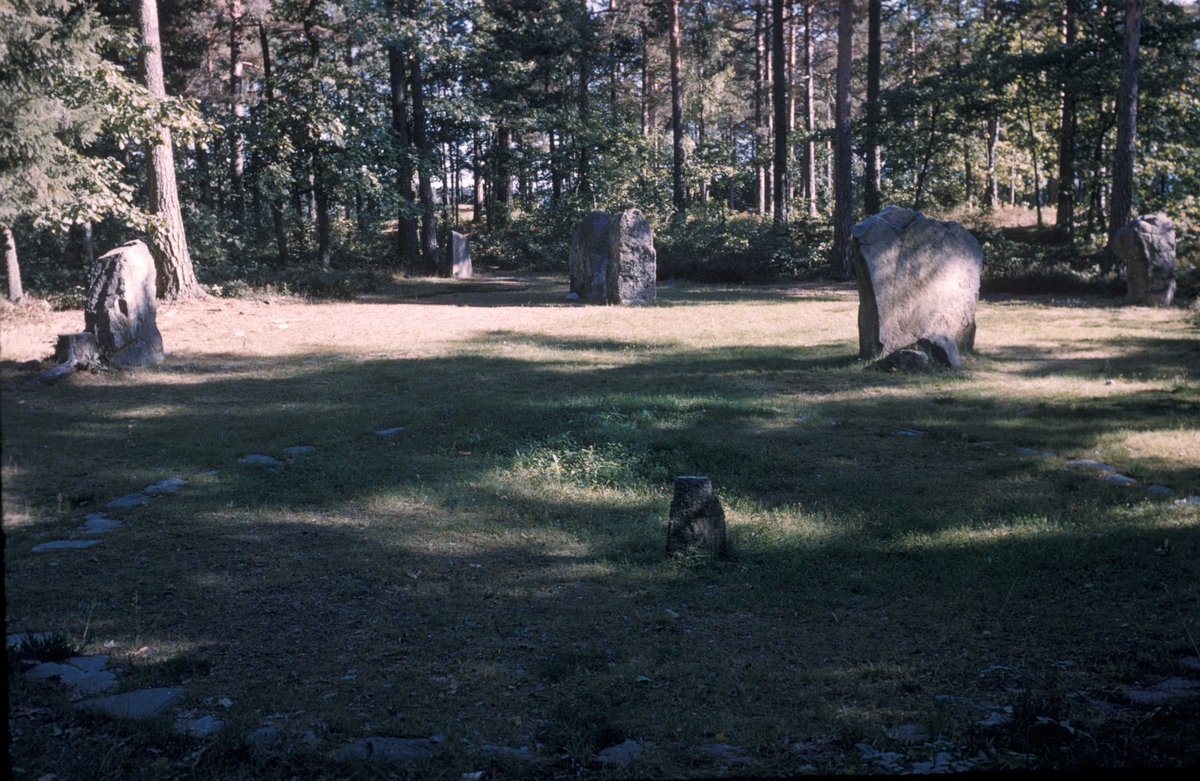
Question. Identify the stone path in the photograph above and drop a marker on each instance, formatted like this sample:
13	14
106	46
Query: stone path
83	674
141	704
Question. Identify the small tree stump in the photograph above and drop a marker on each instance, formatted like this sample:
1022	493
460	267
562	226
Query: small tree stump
696	520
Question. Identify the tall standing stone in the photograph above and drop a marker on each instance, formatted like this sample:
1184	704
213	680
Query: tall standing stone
632	263
916	277
1147	248
459	250
589	257
696	520
121	308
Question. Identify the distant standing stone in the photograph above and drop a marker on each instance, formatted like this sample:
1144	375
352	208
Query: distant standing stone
696	520
1147	248
588	261
916	277
632	263
459	249
942	349
121	307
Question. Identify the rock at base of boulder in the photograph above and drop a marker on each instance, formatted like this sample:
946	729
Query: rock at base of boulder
390	750
121	308
459	250
906	360
942	349
141	704
1147	248
632	262
621	754
696	520
588	260
916	276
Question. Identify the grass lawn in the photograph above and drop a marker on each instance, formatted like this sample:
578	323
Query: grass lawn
494	572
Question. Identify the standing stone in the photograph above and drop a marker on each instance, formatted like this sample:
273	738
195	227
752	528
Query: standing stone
589	257
696	520
632	265
459	250
121	308
916	277
1147	248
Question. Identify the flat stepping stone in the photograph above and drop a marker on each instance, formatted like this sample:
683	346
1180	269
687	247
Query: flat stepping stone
1092	464
21	638
168	486
64	545
99	523
1035	452
129	500
85	675
909	432
140	704
200	727
496	752
1120	480
296	450
1159	489
621	754
728	753
387	432
259	459
1164	691
391	750
264	737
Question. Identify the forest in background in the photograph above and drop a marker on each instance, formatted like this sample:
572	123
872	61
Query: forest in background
321	147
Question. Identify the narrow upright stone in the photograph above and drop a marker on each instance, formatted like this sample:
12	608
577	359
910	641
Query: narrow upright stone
1147	248
632	263
121	307
696	520
460	256
588	260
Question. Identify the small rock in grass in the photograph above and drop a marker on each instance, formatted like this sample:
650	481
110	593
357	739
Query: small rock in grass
140	704
200	727
996	721
909	432
1035	452
129	500
906	360
983	443
1190	663
572	296
168	486
99	523
386	432
64	544
296	450
392	750
259	459
1164	691
1188	500
85	675
1091	464
1120	480
1159	489
621	754
497	752
908	733
263	737
728	753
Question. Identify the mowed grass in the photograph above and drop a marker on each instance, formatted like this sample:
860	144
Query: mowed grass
495	571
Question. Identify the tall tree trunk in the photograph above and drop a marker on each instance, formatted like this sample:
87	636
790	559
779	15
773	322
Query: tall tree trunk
927	157
760	139
842	204
810	116
871	194
477	174
1065	218
406	225
1033	149
790	64
429	243
237	139
320	196
503	175
779	97
176	277
202	167
583	137
991	135
85	250
1121	203
679	196
277	206
15	292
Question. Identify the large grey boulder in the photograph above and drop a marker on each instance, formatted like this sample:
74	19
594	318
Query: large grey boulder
121	309
632	263
589	257
1147	248
696	520
916	276
459	250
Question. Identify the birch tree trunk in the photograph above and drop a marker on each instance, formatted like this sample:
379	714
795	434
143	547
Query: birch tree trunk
842	204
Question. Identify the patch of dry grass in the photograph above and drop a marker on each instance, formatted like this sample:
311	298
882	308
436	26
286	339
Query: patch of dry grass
495	571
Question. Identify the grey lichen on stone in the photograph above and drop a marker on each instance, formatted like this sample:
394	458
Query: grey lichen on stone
1147	248
632	261
459	252
588	259
121	308
916	276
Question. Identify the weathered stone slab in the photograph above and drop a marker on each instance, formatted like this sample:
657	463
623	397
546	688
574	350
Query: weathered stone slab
1092	464
141	704
942	349
1164	691
99	523
296	450
489	751
129	500
85	674
199	727
1147	248
696	520
588	261
906	360
121	307
621	754
259	460
168	486
64	545
391	750
459	251
632	262
916	277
